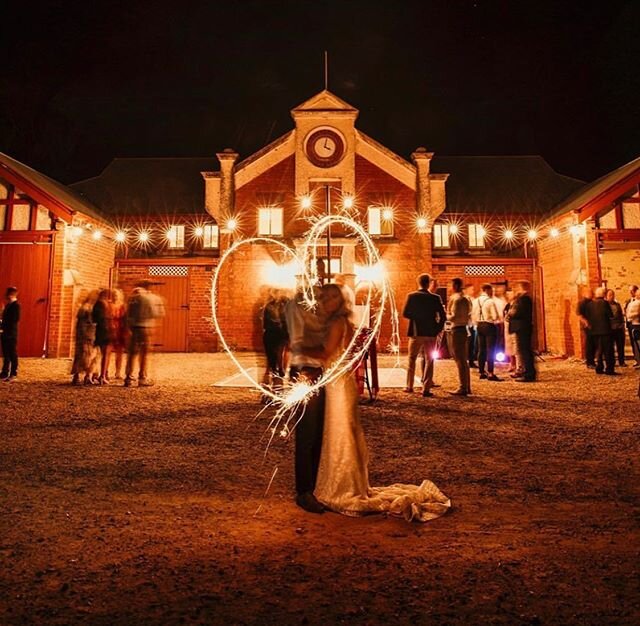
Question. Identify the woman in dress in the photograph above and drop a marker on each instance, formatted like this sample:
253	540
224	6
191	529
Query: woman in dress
101	316
119	330
84	359
343	479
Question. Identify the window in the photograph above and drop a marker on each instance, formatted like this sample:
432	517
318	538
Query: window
335	265
441	235
3	215
20	217
270	221
476	236
175	236
43	219
380	221
210	236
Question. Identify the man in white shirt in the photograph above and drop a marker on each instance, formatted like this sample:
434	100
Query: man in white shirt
488	320
632	314
458	317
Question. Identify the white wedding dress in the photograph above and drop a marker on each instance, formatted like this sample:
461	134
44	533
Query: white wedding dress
343	477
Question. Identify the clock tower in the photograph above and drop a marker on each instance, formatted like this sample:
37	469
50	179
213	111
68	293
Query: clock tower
325	143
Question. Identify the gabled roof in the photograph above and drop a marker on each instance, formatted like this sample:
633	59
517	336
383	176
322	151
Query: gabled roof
324	101
61	200
502	185
593	197
149	186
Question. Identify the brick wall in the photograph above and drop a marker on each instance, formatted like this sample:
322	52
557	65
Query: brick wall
621	268
80	263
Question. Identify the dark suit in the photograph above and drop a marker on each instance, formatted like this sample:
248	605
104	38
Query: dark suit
599	314
426	317
521	323
9	339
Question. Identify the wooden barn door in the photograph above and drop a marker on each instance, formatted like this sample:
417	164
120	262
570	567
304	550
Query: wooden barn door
171	334
27	268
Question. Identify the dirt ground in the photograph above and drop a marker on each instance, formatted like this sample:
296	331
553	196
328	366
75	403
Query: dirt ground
145	506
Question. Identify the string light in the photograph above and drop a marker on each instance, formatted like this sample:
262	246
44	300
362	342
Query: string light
347	202
305	202
421	223
143	236
77	231
532	234
121	236
232	224
198	231
97	235
453	229
387	214
508	234
554	232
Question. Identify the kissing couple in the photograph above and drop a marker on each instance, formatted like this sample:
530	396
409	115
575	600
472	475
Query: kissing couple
331	456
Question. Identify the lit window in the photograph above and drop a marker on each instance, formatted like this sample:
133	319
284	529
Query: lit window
210	236
270	221
380	221
175	236
476	236
335	265
441	235
43	219
3	215
20	217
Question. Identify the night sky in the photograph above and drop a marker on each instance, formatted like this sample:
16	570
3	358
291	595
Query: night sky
84	82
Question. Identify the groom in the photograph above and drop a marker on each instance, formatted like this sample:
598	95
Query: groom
306	330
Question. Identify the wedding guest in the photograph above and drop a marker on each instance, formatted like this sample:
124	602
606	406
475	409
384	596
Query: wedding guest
143	309
599	315
500	298
587	337
85	356
617	326
426	317
633	320
101	317
274	336
633	291
119	332
458	316
486	314
521	324
470	292
9	335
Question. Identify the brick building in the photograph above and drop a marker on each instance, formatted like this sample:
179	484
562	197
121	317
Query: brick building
53	243
445	215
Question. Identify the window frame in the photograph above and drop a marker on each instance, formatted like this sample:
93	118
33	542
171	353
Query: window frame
441	227
479	233
179	242
210	232
271	210
383	225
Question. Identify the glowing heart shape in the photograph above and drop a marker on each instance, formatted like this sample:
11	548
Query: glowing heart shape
298	393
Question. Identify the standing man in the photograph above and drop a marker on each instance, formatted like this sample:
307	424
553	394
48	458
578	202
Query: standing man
599	315
632	313
426	317
9	336
633	290
458	316
488	319
521	323
306	330
585	324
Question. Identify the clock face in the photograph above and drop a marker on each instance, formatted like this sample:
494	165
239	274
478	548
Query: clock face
324	147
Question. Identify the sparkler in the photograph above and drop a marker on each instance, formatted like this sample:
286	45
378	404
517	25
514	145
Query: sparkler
290	401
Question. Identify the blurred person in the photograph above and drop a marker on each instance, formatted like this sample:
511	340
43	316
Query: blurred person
500	298
521	324
101	316
458	316
633	321
119	329
9	335
470	292
486	313
617	326
585	326
274	336
143	309
599	315
85	354
633	292
426	317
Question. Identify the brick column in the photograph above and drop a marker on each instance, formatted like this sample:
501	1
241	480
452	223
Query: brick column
227	160
422	160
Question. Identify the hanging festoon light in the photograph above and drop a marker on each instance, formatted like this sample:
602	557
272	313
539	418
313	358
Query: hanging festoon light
421	223
532	234
198	231
77	231
453	229
143	236
508	234
232	224
554	232
121	236
347	202
387	214
305	202
96	234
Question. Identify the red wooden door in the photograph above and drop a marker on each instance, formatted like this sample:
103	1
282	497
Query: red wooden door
26	266
171	334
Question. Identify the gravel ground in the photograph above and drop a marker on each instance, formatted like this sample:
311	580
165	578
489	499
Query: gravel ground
132	506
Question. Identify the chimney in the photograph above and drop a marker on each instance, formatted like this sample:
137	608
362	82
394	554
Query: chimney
422	160
227	160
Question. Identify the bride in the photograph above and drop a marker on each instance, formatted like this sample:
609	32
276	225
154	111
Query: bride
343	480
